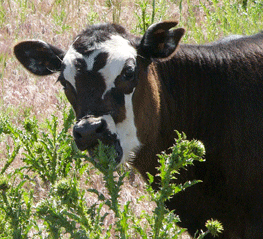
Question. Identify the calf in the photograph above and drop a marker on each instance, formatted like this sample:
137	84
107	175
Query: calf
133	92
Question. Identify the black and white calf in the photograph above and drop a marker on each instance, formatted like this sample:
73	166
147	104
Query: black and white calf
133	92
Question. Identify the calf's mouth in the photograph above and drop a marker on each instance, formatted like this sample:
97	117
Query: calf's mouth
89	131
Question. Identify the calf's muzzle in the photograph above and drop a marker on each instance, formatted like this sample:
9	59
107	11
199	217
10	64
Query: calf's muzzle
88	131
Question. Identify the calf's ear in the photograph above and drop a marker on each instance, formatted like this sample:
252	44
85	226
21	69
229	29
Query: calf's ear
159	41
39	57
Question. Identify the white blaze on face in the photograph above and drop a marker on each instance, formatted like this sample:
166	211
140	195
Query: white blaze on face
69	62
119	50
91	59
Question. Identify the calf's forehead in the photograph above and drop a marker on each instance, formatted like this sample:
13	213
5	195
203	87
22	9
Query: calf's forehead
119	50
116	49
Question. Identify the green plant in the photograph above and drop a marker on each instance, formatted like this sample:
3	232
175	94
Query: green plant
53	164
220	18
65	211
50	153
16	209
162	222
183	153
107	166
144	18
6	128
2	15
148	12
115	5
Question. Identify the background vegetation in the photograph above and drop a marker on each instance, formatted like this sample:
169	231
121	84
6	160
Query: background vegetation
48	188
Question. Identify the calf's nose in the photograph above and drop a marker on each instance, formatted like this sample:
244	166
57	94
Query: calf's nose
87	132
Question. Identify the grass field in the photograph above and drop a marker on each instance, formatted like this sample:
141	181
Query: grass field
24	96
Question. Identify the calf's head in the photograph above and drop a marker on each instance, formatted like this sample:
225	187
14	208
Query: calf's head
99	73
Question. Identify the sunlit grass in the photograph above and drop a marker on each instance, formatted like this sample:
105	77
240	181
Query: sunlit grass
207	21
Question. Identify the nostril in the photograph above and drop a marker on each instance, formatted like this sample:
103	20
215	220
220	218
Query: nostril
101	128
77	135
88	131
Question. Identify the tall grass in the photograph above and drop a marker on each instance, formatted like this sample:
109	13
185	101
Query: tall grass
207	21
49	188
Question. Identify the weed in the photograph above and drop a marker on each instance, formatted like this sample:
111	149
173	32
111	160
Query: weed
115	6
65	211
144	18
147	12
16	210
183	153
50	153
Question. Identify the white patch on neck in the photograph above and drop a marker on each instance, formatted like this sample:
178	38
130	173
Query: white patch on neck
127	132
110	124
70	69
119	50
